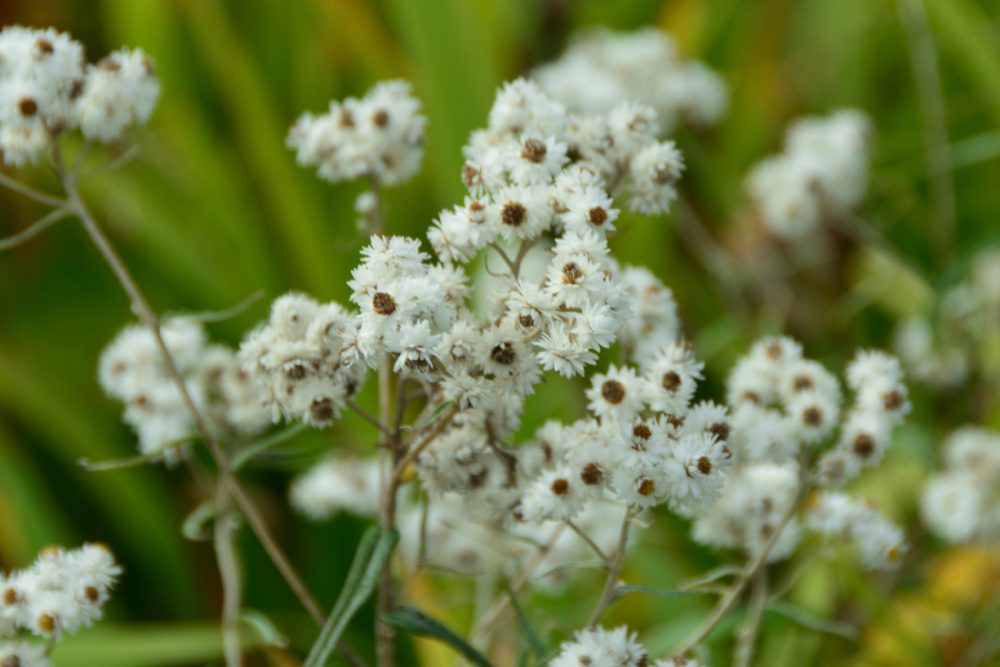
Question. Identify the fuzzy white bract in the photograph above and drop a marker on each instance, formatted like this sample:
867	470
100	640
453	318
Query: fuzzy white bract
62	592
821	174
132	370
602	67
599	647
379	136
47	88
783	405
962	502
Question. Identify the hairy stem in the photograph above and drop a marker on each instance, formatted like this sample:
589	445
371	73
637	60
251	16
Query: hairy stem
142	310
34	230
489	620
614	570
746	638
226	525
731	595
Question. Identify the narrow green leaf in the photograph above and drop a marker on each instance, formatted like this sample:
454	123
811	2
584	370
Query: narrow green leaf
194	527
658	592
373	554
416	622
814	622
242	457
263	628
534	641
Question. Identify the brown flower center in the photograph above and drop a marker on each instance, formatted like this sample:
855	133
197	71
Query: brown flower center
503	353
597	216
560	487
864	445
592	474
613	391
28	107
513	214
672	381
534	150
383	303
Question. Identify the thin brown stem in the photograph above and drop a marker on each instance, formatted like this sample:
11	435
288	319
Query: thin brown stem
34	230
590	543
368	417
746	638
148	317
614	570
226	525
732	594
488	622
30	192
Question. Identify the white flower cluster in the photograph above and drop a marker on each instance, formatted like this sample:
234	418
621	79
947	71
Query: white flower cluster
537	167
305	358
62	592
380	136
46	88
447	532
835	515
598	647
821	175
964	334
602	67
132	370
962	502
784	405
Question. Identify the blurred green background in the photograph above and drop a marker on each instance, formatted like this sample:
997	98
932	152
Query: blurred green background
214	208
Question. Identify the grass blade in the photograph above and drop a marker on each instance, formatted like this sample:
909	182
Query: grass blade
373	553
416	622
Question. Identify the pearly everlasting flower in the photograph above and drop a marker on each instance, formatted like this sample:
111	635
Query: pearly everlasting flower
60	593
119	91
379	136
821	174
46	88
305	359
132	370
754	504
962	503
836	515
336	485
618	647
600	68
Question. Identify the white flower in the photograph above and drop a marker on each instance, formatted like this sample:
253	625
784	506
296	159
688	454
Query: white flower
380	136
120	90
615	395
671	378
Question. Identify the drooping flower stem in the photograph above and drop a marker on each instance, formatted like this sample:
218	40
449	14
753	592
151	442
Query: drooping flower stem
141	308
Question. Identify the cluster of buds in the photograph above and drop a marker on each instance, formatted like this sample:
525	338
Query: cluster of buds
132	370
60	593
820	176
962	502
602	67
46	88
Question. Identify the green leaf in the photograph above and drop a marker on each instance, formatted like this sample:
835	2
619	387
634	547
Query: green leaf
263	628
416	622
145	646
194	527
658	592
814	622
373	554
534	641
247	453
